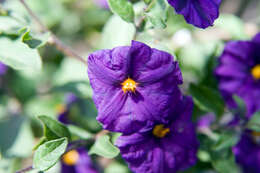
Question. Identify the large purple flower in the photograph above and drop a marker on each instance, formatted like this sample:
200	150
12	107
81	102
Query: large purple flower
201	13
133	85
162	147
77	161
3	69
247	152
239	73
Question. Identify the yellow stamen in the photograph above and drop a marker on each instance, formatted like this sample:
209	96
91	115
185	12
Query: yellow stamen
129	85
71	157
256	72
256	134
159	131
60	108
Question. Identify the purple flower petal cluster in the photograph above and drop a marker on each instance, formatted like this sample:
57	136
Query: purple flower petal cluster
3	69
239	73
133	85
77	161
162	147
200	13
247	152
136	93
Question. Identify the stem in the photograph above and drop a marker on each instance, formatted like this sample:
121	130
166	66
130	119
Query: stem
53	39
25	170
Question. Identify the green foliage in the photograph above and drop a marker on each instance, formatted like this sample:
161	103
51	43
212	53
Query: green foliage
35	41
104	147
113	35
226	140
79	132
48	154
53	129
207	99
23	58
254	122
158	13
123	8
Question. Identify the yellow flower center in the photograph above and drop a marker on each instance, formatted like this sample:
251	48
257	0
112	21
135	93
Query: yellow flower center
129	85
256	72
159	131
71	157
60	108
256	134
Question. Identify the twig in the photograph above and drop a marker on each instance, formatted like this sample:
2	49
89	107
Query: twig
53	39
25	170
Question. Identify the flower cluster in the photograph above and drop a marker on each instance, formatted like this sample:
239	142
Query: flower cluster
239	73
136	93
77	160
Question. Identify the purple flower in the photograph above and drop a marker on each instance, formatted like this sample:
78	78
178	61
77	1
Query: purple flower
133	85
247	152
102	3
162	147
64	110
200	13
77	161
239	73
205	121
3	69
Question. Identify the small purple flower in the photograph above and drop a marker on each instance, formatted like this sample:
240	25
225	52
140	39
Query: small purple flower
247	152
64	110
239	73
205	121
200	13
133	85
77	161
102	3
3	69
162	147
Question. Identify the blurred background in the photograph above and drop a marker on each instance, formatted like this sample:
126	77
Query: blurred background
86	26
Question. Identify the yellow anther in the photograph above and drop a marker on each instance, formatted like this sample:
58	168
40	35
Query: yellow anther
159	131
60	108
71	158
256	134
129	85
256	72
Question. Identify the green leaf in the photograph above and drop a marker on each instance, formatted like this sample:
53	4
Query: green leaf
157	15
79	132
207	99
103	147
48	154
9	25
53	129
35	41
123	8
113	35
254	122
18	55
225	163
226	140
241	106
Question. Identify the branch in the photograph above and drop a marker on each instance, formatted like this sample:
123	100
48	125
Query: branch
25	170
53	39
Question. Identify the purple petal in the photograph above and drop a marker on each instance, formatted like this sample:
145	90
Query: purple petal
200	13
